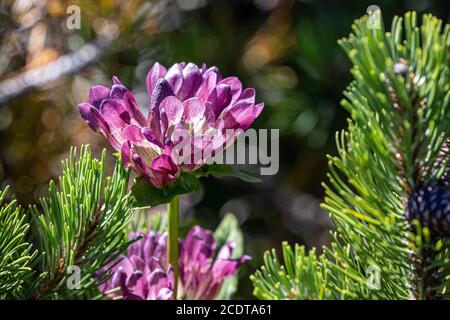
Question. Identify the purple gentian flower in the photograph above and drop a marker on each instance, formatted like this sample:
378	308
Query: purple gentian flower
202	276
144	273
185	97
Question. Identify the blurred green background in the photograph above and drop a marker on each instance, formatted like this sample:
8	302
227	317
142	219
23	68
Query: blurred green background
285	49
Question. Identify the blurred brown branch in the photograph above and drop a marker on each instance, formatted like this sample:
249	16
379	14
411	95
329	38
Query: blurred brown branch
65	65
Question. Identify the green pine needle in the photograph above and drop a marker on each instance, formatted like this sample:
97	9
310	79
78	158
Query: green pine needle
400	119
81	223
16	254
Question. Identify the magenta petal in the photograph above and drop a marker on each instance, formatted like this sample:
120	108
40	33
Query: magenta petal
191	81
174	77
198	246
161	91
116	80
212	70
207	86
136	247
118	279
139	288
115	113
164	171
194	110
247	96
226	251
151	137
134	277
126	154
154	249
220	98
241	115
146	150
156	72
156	277
141	166
164	294
173	108
235	85
223	269
87	113
160	285
119	91
97	94
137	262
117	118
133	134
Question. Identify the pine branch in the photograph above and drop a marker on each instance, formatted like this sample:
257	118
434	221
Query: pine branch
301	277
399	106
16	254
82	224
388	193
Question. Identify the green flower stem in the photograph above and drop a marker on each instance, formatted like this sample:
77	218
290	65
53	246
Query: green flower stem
172	248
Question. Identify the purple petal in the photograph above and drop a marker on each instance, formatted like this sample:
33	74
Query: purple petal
133	278
241	115
97	94
140	166
133	134
137	262
118	279
90	115
159	285
156	72
212	70
146	150
197	248
161	91
117	118
220	98
164	171
139	288
223	269
116	80
173	108
207	86
247	96
164	294
191	81
235	85
156	277
119	91
226	251
151	137
194	110
126	154
113	110
174	77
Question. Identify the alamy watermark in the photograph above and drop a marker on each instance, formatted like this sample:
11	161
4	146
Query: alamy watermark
228	146
373	277
73	21
74	279
374	19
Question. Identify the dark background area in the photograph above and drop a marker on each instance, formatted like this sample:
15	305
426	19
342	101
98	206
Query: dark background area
286	49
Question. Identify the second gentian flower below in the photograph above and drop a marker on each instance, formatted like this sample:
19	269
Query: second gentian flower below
144	273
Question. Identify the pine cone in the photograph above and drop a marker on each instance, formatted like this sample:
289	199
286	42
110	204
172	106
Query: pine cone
431	206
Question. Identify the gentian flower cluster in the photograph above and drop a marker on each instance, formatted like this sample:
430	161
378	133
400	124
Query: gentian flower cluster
185	100
145	275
